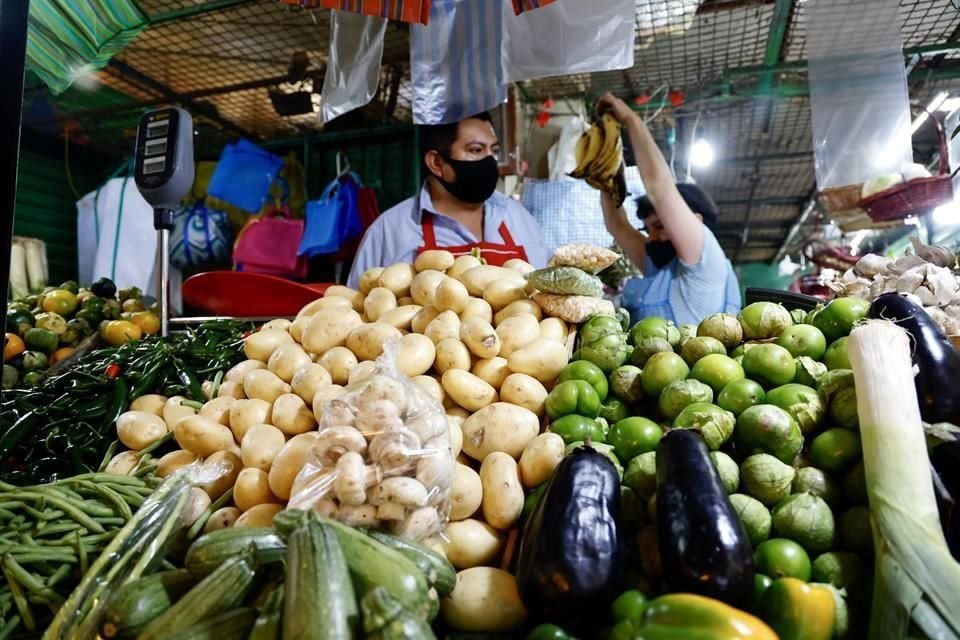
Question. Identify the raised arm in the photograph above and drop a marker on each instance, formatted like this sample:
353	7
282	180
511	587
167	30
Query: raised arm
684	229
632	242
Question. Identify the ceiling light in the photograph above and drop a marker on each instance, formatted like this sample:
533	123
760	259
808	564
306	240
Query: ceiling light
935	104
947	214
701	153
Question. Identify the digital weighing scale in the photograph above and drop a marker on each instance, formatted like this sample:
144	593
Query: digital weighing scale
163	169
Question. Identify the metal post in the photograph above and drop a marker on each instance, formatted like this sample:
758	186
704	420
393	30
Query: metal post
13	48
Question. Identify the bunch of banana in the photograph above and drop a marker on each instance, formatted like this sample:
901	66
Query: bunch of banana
600	158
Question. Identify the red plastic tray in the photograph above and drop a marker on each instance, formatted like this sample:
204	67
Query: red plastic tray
254	295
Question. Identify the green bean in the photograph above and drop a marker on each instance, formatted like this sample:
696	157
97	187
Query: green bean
108	454
9	627
145	470
20	601
63	527
112	522
69	509
202	520
192	404
133	498
30	581
6	514
81	553
62	572
109	495
153	446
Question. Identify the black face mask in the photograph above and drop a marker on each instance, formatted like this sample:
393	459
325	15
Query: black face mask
476	179
661	253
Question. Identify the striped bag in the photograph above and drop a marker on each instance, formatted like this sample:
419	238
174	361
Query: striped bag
402	10
519	6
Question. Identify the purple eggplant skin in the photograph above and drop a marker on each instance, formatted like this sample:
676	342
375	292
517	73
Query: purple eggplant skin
936	358
704	548
572	559
945	459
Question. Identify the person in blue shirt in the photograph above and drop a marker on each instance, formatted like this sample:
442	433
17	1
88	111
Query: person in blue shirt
686	275
457	208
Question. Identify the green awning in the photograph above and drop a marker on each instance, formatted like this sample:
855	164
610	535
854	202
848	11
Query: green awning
69	38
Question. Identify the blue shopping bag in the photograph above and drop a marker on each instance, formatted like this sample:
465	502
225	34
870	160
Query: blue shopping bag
200	237
243	175
332	220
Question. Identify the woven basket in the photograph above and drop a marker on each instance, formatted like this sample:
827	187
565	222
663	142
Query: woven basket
836	199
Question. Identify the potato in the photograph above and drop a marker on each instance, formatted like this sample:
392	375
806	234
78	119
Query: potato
484	599
259	516
401	317
553	328
151	403
231	389
288	463
279	323
466	492
260	345
323	396
197	503
378	302
264	385
423	288
456	435
493	371
405	301
501	293
329	328
503	495
252	488
300	324
461	265
524	391
326	302
517	308
138	429
477	308
219	472
478	279
206	389
499	427
480	337
340	291
451	295
173	461
397	278
367	340
369	278
363	370
218	410
291	415
424	317
261	444
471	543
452	354
222	518
339	362
543	359
202	436
458	412
415	354
123	463
517	332
173	411
436	259
540	458
309	379
445	325
286	360
521	266
467	390
433	388
246	413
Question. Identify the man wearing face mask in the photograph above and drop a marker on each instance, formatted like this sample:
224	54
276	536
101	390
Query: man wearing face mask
686	275
457	209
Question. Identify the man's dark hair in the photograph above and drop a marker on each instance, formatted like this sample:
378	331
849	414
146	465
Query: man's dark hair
695	197
440	137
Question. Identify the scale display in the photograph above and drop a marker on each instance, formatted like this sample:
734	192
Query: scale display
163	156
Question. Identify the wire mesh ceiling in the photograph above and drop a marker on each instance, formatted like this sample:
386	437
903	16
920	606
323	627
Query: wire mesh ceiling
223	59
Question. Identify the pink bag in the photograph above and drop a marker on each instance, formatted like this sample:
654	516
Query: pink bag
268	244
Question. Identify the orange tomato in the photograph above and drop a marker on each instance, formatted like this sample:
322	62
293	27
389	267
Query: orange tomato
12	346
148	322
60	354
119	332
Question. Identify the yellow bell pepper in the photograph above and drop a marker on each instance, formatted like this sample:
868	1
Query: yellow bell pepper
799	611
706	615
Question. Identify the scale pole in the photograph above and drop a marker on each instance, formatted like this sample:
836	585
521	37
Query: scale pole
163	223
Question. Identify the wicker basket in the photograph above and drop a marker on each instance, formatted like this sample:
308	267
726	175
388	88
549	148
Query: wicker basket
837	199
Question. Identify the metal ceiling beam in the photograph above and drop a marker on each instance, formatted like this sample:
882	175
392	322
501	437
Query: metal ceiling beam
771	157
194	10
778	32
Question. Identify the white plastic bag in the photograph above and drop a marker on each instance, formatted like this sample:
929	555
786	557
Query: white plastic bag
353	70
562	157
567	36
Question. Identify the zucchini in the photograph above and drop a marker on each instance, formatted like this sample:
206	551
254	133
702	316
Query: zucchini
220	591
438	570
267	625
320	604
373	564
232	625
384	618
138	602
213	549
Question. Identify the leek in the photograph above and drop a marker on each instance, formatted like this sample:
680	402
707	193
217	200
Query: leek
916	579
36	264
19	286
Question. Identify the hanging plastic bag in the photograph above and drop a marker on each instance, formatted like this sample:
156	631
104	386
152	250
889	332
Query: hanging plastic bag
562	157
402	10
268	244
382	457
200	237
331	220
568	37
353	70
453	82
243	176
519	6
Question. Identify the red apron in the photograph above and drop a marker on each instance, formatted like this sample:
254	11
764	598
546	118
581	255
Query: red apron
495	254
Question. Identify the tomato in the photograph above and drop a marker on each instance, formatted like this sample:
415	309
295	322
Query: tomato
586	370
132	305
35	361
573	396
19	320
548	632
838	317
770	363
760	585
740	395
113	371
12	346
118	332
836	356
60	354
655	327
629	605
779	558
632	436
717	371
614	410
836	450
660	370
148	322
52	321
574	428
59	301
42	340
803	340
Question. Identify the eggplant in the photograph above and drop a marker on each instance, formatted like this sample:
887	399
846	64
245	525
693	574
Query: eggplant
936	358
704	547
572	560
945	460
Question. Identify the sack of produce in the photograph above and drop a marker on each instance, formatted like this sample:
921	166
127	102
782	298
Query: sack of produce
573	309
589	257
568	281
382	458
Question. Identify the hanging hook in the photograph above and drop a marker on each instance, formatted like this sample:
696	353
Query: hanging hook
343	164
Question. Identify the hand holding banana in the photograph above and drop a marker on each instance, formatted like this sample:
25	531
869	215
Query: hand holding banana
599	154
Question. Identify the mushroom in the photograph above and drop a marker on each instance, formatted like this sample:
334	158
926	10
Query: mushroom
391	511
326	507
339	412
374	417
404	491
333	442
418	524
393	449
353	478
436	470
364	515
428	425
381	387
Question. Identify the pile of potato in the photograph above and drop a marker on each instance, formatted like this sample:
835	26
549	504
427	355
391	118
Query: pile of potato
469	334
